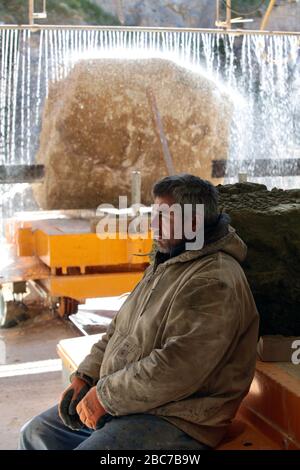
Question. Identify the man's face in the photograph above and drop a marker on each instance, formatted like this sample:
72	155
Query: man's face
166	223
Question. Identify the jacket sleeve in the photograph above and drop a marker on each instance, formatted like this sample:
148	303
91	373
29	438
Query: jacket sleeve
90	366
201	327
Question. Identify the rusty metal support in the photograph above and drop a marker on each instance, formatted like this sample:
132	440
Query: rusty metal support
260	167
228	14
267	15
12	174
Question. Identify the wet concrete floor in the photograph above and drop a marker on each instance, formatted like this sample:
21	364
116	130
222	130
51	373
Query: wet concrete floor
30	372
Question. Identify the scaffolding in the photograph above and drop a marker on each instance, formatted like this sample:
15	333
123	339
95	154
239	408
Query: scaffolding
222	26
35	15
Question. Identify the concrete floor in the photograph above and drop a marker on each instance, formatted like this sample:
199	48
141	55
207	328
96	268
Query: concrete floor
24	392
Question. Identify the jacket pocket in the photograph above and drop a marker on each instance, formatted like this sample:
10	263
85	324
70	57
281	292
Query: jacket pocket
127	352
121	350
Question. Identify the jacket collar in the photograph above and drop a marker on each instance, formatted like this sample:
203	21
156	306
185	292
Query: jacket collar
231	244
215	236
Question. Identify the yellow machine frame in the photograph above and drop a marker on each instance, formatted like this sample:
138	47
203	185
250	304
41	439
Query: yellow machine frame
68	260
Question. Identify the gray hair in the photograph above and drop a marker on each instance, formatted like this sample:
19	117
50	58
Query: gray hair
190	189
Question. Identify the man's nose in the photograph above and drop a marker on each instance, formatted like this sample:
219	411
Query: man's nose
156	224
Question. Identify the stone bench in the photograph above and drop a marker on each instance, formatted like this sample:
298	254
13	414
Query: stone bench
268	418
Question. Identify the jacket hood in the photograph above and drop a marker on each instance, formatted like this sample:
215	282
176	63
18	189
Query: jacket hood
235	246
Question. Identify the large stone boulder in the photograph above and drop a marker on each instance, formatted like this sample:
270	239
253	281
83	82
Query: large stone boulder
98	126
269	223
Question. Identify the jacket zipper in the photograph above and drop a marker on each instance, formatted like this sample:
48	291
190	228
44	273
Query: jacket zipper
155	282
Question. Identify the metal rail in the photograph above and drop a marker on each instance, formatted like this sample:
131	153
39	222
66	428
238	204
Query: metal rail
12	174
235	32
260	167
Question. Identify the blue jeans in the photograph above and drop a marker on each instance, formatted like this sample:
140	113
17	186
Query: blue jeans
140	431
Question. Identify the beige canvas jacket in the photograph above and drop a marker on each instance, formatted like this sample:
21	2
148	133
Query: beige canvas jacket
183	345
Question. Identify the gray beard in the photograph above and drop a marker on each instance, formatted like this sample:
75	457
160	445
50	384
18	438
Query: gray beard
163	250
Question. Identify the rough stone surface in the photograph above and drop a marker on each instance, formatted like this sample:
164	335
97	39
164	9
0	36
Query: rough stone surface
180	13
285	15
269	223
31	341
98	127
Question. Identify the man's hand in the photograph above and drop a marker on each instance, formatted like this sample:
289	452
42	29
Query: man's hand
69	400
90	410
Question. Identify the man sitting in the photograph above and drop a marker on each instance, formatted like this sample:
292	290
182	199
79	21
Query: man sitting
179	356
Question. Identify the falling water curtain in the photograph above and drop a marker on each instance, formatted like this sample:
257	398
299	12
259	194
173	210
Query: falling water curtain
261	72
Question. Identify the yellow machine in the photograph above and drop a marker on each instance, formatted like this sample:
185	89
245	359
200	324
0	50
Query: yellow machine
61	253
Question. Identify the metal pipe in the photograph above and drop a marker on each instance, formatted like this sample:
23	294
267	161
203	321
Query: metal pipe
267	15
30	11
120	10
236	32
217	12
228	14
136	185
